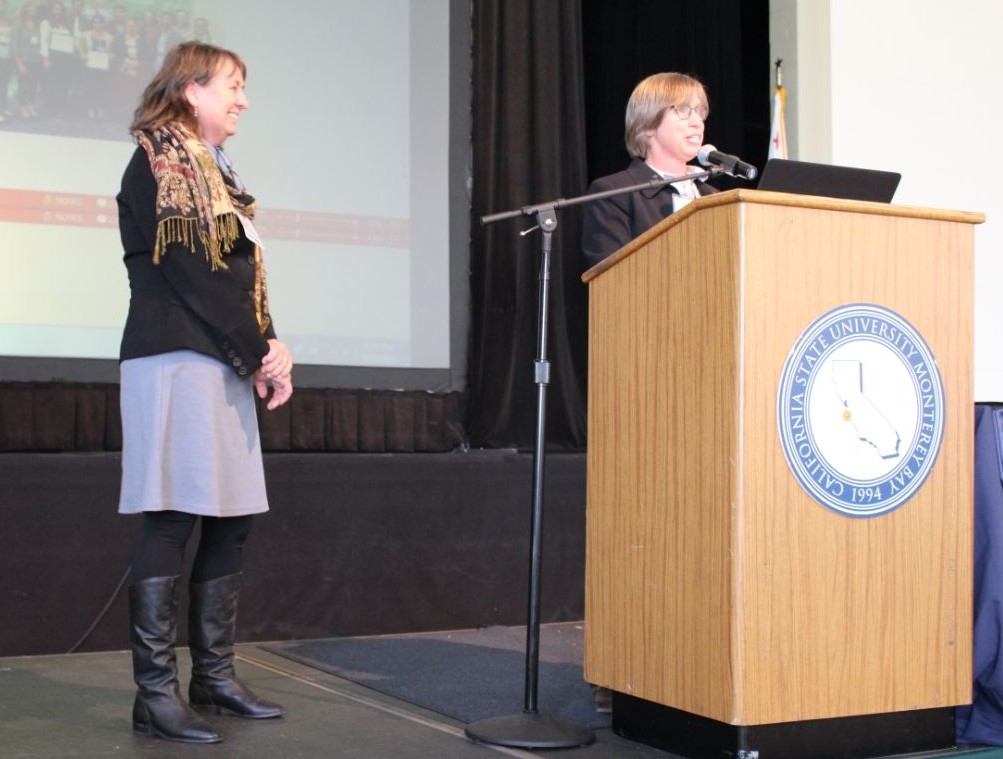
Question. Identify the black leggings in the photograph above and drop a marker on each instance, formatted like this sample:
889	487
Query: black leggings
165	534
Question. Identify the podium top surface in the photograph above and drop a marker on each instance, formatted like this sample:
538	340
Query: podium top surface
780	199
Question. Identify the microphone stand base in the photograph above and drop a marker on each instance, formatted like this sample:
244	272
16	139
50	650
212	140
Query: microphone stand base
529	730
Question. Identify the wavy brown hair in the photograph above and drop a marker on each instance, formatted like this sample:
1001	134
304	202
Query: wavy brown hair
164	101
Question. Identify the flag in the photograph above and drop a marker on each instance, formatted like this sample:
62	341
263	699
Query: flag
778	129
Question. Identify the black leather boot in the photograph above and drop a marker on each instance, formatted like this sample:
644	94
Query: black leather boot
212	622
158	709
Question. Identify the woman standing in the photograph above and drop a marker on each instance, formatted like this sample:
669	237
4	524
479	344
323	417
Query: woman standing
27	49
198	343
58	59
6	59
97	53
128	65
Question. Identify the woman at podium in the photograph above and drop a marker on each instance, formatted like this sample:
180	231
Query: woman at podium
663	132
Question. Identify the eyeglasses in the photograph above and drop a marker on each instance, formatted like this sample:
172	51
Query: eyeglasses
685	110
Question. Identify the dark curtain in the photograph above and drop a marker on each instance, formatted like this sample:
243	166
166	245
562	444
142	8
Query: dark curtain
723	43
551	80
528	148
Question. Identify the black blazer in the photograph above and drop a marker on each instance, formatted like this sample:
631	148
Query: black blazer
181	303
613	222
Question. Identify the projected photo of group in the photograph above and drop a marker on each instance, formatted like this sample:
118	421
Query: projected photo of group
77	68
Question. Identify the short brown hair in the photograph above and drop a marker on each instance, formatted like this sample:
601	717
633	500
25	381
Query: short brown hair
164	101
649	101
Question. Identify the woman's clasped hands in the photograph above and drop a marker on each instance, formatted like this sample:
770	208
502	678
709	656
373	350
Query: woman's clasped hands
276	372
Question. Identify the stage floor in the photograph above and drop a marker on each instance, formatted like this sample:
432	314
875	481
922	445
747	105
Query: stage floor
79	705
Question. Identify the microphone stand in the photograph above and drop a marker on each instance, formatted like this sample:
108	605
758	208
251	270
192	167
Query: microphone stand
530	729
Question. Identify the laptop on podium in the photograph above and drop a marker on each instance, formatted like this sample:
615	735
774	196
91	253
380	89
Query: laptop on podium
803	178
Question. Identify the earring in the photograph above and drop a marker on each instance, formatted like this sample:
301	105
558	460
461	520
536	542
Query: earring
196	111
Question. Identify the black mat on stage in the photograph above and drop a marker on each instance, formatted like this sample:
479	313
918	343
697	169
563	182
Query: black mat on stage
466	675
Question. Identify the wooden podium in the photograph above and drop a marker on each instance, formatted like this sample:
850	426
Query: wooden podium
727	608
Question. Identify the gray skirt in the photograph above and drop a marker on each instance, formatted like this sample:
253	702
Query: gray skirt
189	438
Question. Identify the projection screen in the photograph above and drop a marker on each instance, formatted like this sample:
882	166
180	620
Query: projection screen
356	146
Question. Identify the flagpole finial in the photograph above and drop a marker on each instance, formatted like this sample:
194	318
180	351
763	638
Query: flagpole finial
780	75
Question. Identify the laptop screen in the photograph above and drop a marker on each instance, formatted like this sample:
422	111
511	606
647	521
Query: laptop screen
803	178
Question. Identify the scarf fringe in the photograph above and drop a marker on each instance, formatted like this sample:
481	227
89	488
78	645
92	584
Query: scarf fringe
176	229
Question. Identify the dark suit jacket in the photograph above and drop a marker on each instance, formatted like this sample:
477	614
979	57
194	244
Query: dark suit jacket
613	222
181	303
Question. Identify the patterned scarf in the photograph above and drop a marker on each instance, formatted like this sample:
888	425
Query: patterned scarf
195	200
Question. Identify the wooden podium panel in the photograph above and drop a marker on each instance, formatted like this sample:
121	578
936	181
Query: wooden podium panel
715	584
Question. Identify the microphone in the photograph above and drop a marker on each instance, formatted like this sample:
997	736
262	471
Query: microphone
732	164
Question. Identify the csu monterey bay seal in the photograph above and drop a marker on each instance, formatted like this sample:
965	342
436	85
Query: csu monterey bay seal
860	408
